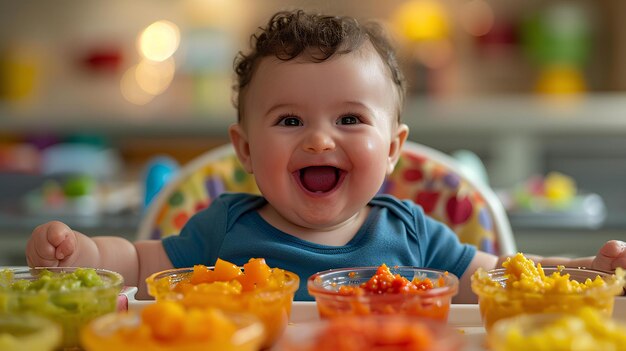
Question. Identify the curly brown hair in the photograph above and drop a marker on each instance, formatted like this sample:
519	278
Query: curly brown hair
288	34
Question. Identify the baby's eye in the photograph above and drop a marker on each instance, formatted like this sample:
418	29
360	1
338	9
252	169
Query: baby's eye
348	119
289	121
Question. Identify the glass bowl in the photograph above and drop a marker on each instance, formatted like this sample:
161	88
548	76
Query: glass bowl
127	332
62	294
271	305
28	332
587	330
432	303
497	301
372	332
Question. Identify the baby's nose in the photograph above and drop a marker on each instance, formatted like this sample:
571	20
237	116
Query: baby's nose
319	141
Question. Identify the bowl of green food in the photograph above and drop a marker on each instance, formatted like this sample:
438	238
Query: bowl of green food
70	296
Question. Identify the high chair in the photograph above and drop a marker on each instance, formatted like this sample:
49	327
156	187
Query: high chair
429	177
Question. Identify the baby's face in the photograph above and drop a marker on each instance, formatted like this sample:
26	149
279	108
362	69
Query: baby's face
321	136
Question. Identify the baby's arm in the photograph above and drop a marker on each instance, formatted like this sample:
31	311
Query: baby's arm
55	244
481	259
610	256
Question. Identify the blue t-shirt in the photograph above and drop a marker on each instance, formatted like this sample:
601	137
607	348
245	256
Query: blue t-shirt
395	233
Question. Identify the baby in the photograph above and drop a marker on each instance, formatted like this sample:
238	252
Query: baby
319	104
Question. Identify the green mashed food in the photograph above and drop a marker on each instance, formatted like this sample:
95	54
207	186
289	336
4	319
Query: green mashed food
52	281
71	298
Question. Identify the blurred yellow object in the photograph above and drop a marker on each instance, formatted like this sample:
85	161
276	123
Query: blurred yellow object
559	188
18	74
422	20
587	330
561	80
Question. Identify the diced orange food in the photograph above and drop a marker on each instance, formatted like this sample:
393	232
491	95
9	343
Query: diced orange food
230	278
225	271
256	274
170	321
168	325
385	282
254	288
202	274
165	319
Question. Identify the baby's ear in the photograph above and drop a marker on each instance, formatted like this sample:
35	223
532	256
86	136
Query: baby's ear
395	147
239	139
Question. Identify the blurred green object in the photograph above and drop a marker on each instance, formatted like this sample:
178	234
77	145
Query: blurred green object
30	332
560	34
79	185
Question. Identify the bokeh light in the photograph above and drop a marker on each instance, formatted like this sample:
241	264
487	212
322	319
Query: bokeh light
155	77
561	80
476	17
131	90
420	20
159	41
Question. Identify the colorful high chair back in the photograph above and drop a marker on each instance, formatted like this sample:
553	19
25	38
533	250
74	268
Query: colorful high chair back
428	177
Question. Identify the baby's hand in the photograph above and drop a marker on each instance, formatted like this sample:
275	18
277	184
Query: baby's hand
611	255
50	245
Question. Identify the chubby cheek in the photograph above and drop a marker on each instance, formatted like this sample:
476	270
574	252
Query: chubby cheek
370	157
267	166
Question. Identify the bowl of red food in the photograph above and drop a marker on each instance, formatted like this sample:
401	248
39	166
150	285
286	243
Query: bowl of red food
415	291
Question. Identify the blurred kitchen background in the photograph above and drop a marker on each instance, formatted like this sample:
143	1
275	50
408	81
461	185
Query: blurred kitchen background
93	93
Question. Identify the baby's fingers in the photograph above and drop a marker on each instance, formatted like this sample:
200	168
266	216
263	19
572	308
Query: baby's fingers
39	253
611	255
66	247
50	243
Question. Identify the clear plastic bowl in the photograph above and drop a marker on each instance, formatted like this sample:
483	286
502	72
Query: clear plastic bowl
271	305
30	332
372	332
498	302
71	308
433	303
106	333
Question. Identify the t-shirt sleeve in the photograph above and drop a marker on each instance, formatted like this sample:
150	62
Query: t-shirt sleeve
444	250
198	240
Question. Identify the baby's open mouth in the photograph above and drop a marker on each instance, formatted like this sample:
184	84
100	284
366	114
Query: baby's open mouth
319	178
